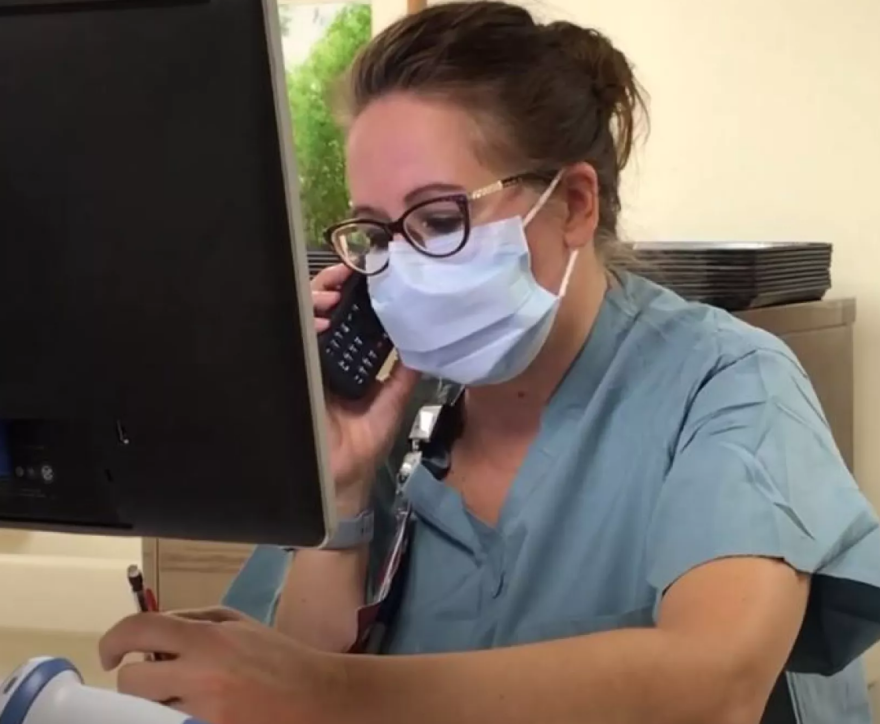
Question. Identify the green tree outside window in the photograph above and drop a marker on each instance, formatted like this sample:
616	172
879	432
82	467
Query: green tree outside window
319	141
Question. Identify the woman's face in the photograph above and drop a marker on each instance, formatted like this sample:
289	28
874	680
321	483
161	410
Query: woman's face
403	150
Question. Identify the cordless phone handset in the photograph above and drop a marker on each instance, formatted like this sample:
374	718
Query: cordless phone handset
355	347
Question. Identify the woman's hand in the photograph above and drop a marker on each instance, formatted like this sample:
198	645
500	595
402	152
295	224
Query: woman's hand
226	669
360	433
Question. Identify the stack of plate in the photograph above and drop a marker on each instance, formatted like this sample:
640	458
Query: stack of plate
738	275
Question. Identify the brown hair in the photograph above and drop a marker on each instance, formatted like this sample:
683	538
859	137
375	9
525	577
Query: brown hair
544	96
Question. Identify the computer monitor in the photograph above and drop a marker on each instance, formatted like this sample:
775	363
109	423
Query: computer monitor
158	365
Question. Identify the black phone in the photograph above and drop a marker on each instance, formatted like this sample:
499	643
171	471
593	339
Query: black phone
355	346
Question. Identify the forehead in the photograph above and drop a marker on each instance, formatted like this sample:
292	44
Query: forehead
400	143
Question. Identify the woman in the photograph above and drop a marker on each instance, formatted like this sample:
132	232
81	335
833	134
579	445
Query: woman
644	517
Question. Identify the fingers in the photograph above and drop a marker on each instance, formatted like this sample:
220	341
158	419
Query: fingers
330	278
146	633
161	681
323	302
325	294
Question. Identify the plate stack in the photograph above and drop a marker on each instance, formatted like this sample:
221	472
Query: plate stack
738	275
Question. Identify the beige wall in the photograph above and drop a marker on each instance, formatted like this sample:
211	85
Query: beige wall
60	593
386	12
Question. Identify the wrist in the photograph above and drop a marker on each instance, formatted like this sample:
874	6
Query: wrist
353	501
328	694
346	703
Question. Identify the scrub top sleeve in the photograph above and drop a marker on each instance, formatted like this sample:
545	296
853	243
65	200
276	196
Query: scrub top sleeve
256	588
756	472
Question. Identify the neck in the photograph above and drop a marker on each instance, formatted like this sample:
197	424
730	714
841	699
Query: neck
513	409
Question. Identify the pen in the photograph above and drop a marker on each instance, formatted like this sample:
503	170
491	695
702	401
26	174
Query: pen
144	599
136	583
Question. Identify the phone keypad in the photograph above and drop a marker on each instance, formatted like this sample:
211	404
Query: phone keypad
357	352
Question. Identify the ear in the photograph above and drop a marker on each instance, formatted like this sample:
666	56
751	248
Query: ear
580	189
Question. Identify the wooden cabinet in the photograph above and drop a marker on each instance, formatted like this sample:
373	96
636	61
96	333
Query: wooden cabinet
192	574
821	335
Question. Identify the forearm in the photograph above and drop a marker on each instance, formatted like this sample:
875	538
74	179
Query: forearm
621	677
321	596
323	591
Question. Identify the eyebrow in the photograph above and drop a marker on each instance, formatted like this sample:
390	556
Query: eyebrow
419	193
413	197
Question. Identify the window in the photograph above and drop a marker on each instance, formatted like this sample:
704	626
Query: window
320	39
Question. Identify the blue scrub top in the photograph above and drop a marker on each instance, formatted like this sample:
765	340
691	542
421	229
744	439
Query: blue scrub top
680	435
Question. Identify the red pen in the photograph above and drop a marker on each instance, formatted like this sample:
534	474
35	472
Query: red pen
144	599
152	604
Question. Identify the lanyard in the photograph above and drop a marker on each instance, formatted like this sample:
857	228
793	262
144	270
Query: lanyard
430	441
376	619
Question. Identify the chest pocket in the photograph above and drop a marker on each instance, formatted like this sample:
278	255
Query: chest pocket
563	626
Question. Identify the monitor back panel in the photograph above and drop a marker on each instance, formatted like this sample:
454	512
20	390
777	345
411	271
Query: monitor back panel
152	353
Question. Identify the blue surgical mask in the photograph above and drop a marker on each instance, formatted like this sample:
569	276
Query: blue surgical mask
478	317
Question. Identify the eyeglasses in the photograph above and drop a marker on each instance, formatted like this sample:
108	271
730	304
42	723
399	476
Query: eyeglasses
438	227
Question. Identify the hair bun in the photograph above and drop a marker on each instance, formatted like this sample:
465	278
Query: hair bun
606	71
604	66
